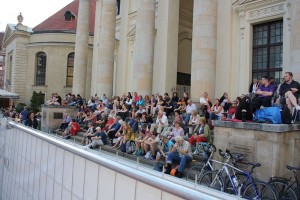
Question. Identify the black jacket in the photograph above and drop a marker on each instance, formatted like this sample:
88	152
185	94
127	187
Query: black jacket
287	87
32	123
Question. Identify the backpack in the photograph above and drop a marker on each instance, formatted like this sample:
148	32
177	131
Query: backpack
123	147
245	104
286	115
130	147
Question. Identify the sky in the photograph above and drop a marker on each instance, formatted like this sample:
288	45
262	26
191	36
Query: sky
34	11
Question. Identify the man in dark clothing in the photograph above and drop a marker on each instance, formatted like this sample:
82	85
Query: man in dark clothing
100	138
289	90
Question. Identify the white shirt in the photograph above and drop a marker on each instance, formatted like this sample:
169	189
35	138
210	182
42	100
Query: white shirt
163	119
129	102
189	108
203	100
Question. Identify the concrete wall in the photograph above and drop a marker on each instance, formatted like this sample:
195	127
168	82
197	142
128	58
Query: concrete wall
41	167
49	123
268	144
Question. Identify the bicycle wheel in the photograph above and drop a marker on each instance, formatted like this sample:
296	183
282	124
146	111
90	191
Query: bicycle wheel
211	179
260	190
285	192
241	179
193	172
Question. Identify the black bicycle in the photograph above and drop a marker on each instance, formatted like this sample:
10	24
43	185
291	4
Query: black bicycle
288	189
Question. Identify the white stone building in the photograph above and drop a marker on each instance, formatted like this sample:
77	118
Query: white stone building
158	45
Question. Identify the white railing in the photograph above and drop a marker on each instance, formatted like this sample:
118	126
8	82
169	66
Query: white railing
40	166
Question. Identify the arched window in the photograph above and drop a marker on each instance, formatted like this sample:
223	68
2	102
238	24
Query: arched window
40	76
70	68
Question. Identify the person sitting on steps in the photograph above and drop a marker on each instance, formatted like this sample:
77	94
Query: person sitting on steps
289	90
180	152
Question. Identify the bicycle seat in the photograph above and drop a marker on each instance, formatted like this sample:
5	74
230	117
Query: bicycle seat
254	164
292	168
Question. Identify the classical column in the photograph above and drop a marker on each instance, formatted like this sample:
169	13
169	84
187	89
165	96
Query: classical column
144	47
204	48
123	54
166	49
103	67
81	48
295	39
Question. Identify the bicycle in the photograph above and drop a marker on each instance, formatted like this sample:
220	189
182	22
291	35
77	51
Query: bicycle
249	188
288	189
196	171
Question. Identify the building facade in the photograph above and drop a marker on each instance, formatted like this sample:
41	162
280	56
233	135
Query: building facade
2	58
151	46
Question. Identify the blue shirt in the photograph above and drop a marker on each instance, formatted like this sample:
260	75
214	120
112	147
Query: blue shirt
24	114
141	102
116	126
168	146
103	136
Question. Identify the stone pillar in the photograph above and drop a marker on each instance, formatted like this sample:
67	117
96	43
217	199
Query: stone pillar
144	47
81	48
122	67
166	49
103	67
295	39
204	45
224	63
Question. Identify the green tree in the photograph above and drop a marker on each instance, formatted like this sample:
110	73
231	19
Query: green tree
36	101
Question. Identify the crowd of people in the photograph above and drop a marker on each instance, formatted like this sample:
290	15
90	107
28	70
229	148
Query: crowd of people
162	126
25	116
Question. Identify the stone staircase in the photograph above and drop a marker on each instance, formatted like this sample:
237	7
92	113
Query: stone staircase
197	159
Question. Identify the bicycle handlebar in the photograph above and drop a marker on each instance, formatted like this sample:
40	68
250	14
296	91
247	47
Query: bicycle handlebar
227	154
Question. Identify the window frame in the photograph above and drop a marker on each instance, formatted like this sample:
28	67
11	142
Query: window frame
40	68
269	45
70	65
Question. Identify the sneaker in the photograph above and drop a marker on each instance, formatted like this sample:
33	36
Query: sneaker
297	107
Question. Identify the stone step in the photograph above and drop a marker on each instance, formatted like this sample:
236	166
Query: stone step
109	149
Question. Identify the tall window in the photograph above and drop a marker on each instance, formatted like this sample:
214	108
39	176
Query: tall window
267	50
118	6
40	68
70	69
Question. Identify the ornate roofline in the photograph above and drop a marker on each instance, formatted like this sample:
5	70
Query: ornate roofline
244	5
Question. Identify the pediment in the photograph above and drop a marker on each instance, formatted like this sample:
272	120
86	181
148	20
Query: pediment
10	28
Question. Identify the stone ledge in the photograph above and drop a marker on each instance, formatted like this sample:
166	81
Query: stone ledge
278	128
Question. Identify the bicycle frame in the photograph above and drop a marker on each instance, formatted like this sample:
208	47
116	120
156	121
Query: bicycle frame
237	190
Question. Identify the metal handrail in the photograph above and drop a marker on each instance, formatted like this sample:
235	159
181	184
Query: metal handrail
157	182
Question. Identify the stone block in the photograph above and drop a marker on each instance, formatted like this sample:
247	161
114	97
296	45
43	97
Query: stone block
264	155
52	116
242	133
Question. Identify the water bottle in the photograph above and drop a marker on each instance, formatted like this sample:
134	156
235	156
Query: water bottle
235	181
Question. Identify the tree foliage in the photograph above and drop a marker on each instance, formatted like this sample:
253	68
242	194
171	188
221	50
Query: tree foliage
36	101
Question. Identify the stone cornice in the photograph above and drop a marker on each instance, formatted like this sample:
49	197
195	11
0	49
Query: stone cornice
246	5
266	12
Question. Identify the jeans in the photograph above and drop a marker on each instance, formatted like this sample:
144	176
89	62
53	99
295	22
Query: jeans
213	116
72	103
183	159
187	118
